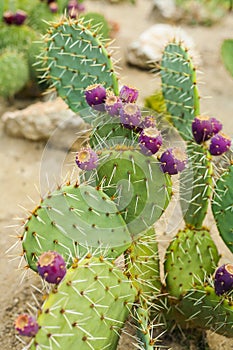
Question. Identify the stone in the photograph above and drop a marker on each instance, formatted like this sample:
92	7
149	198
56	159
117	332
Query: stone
167	8
50	121
146	52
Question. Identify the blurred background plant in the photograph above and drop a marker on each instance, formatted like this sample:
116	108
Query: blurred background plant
22	24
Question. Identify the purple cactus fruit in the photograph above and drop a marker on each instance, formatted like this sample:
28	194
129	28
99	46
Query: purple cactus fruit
8	17
202	128
216	125
223	279
72	4
81	8
113	104
150	141
96	96
147	122
173	161
219	144
74	8
51	267
26	325
53	6
20	17
128	94
86	159
130	115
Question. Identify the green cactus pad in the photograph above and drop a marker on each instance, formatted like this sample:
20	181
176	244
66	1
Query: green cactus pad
75	58
98	20
14	72
190	258
222	207
73	220
17	37
141	190
179	87
143	265
196	185
107	131
202	308
227	54
143	328
39	16
87	310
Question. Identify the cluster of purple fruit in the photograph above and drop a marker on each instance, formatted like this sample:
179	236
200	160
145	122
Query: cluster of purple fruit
124	107
205	128
18	18
52	268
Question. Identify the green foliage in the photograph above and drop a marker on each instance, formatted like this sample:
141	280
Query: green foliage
227	54
204	12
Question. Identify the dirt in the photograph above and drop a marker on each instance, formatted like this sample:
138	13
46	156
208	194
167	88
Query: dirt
21	159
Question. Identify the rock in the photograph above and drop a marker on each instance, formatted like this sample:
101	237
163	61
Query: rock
147	50
167	8
50	120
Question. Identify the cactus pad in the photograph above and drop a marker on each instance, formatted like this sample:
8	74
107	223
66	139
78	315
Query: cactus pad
222	207
196	185
87	310
72	220
190	258
179	87
143	265
75	58
13	64
202	308
141	190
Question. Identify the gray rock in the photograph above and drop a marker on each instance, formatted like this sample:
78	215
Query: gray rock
167	8
147	50
50	120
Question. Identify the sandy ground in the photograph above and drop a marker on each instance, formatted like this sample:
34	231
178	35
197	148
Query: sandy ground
20	160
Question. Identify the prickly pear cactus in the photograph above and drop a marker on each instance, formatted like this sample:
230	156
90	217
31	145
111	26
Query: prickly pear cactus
222	207
201	308
179	87
193	255
14	65
88	308
73	220
143	265
196	185
141	189
226	53
125	191
74	59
